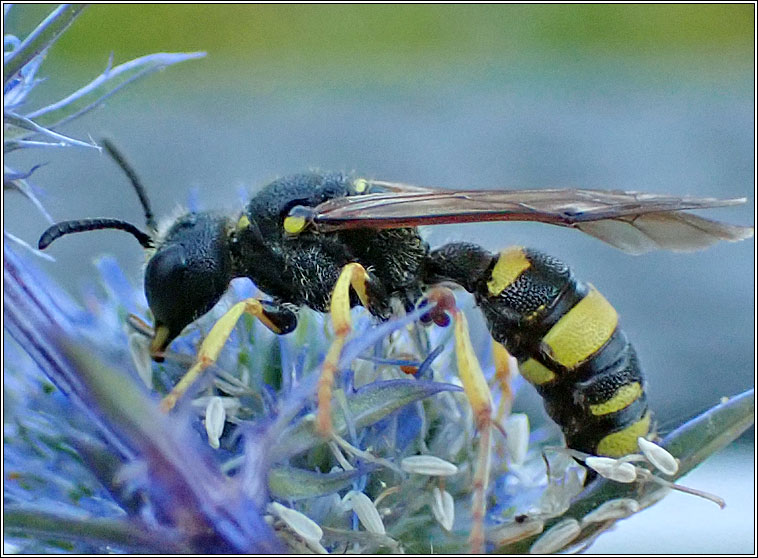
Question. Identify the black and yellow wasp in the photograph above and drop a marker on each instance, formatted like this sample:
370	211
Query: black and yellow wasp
332	241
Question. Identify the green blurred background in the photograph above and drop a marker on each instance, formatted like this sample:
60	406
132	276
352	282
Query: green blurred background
402	37
648	97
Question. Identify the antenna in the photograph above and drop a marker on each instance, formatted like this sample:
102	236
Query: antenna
82	225
129	171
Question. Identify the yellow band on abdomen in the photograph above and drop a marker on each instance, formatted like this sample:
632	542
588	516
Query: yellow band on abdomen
582	330
624	396
624	441
536	373
511	263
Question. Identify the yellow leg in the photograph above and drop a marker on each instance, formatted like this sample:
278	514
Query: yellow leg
355	276
503	375
212	345
479	396
481	482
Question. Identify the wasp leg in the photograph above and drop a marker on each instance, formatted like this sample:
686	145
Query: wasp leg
479	396
278	319
353	275
504	372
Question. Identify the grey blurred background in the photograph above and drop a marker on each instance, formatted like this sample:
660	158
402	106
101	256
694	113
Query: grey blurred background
654	97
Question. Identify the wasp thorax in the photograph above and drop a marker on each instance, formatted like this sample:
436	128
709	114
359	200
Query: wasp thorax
187	275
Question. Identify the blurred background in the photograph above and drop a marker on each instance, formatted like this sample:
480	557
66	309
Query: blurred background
647	97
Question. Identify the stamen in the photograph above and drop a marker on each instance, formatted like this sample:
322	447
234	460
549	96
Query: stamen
215	418
612	510
659	457
557	537
428	465
298	522
612	469
443	508
366	511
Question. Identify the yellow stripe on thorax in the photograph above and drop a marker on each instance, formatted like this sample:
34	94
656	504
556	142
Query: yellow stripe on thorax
624	441
582	330
624	396
511	263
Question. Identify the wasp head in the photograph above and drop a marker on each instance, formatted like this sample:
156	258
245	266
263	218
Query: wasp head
190	267
187	275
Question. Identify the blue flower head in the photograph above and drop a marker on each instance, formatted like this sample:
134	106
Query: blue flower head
93	466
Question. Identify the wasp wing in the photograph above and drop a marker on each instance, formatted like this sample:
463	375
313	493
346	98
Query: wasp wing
634	222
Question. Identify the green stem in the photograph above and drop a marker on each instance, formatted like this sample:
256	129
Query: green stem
128	534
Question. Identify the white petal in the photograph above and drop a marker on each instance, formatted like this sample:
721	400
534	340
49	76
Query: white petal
298	522
659	457
443	508
215	417
428	465
366	511
612	469
513	366
316	547
555	538
231	404
612	509
517	437
515	531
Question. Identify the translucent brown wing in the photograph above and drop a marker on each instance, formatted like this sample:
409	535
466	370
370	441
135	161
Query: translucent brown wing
635	222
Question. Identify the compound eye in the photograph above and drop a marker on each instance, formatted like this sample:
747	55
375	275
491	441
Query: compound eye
168	263
297	220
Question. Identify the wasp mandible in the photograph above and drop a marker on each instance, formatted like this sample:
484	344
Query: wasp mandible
333	241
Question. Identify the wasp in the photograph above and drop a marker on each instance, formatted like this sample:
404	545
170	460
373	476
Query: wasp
333	241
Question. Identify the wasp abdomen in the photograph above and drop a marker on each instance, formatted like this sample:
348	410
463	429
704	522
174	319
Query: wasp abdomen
566	337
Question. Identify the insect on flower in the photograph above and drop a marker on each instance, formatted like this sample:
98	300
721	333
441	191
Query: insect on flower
332	241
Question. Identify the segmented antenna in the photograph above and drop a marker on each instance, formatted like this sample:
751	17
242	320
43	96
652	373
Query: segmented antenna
82	225
129	171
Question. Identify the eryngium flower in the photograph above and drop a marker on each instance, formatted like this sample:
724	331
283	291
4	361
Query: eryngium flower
91	465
